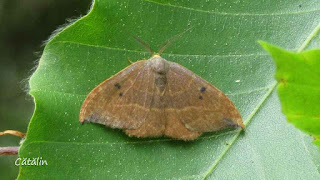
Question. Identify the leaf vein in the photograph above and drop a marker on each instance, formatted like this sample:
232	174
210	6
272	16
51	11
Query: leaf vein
134	142
134	51
233	14
84	95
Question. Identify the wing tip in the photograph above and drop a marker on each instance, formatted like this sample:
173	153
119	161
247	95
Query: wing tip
242	125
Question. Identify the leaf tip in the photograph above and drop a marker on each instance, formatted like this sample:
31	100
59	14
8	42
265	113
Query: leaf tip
266	46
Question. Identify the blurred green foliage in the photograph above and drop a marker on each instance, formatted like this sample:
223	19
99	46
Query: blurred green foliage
299	83
24	26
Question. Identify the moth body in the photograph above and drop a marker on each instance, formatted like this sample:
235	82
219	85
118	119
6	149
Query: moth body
156	97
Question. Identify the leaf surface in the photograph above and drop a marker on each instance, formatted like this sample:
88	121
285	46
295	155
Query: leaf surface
221	48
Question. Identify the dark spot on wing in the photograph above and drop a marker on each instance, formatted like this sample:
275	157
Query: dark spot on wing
120	94
117	85
200	97
300	6
203	89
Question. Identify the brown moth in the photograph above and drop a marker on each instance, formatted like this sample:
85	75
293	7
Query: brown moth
156	97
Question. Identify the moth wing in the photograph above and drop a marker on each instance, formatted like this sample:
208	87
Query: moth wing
199	105
120	101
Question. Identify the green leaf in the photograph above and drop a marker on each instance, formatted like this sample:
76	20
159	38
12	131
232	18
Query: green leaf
221	48
298	75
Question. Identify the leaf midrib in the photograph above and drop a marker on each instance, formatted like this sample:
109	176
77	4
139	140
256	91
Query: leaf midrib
209	171
302	47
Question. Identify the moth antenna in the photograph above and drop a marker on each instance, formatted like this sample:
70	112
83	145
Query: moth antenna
171	40
144	44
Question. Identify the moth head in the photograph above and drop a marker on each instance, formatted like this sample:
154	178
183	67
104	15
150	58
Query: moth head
159	65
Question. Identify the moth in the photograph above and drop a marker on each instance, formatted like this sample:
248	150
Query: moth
156	97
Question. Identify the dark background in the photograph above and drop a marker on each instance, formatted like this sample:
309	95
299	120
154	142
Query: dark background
24	26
